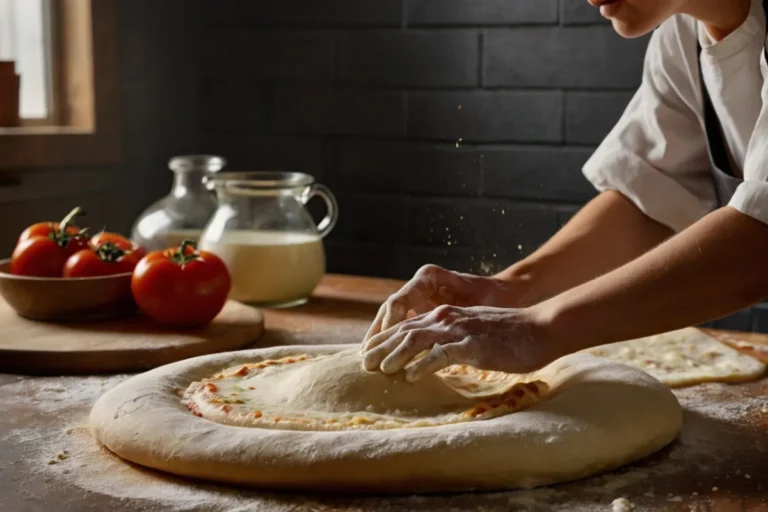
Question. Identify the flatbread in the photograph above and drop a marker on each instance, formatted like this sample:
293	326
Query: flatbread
592	416
683	357
755	350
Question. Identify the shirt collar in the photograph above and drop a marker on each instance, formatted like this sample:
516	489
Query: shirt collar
744	36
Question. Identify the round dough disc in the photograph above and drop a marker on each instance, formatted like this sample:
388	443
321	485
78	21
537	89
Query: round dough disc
597	415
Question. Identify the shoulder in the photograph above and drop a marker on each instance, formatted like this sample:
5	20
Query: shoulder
674	41
677	32
671	62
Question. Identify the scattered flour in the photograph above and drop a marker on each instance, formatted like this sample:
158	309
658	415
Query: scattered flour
622	505
53	394
92	468
711	438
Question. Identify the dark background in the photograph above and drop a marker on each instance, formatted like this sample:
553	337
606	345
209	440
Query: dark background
451	131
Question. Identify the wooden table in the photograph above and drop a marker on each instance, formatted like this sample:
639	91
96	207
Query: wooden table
720	461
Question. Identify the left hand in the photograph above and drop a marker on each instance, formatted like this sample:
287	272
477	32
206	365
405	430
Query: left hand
484	337
433	286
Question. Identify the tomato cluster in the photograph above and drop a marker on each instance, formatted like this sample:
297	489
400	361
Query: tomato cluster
180	286
62	249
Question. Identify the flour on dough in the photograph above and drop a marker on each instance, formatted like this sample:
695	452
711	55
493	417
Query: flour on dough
683	357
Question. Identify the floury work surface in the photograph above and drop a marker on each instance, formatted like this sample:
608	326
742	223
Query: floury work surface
48	461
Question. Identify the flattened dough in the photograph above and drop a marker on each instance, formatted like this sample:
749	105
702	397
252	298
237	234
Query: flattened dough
597	415
684	357
334	392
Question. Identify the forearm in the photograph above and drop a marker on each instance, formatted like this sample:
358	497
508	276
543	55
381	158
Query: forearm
607	233
713	268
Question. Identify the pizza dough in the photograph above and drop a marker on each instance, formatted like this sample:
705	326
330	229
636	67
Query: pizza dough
586	415
334	392
683	357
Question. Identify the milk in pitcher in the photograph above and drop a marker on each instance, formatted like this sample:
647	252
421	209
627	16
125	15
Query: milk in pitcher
270	267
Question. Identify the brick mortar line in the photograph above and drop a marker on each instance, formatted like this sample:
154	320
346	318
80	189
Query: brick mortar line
352	86
410	199
407	27
412	142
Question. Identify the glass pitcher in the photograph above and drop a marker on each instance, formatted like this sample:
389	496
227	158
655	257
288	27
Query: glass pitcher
266	236
182	214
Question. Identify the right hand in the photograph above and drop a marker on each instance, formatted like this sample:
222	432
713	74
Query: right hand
434	286
487	338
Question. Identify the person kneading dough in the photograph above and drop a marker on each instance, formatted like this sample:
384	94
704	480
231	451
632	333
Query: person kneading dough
676	237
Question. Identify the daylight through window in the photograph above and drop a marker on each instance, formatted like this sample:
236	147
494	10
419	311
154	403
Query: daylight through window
26	39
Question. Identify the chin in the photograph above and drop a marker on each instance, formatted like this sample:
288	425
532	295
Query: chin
631	30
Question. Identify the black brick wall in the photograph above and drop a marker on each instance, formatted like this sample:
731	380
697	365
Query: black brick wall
452	131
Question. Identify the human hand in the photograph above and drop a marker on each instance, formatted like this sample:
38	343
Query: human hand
433	286
484	337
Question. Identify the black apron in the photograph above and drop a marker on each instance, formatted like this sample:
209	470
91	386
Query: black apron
725	180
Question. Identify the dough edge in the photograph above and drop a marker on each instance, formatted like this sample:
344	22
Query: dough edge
601	415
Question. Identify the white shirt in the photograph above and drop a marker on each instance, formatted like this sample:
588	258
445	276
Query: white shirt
656	155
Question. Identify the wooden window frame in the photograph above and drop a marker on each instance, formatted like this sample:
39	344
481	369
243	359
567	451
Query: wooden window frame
87	88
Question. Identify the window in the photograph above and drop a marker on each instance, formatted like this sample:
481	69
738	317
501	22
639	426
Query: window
66	54
25	37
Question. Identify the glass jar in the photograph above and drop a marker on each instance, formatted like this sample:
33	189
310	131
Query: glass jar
266	236
182	214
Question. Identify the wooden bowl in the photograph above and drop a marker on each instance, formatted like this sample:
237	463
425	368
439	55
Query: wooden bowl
62	300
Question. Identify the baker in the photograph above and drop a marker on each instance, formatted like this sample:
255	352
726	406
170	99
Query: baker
676	237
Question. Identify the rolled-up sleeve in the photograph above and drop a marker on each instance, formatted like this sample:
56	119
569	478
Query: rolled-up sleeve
656	155
751	197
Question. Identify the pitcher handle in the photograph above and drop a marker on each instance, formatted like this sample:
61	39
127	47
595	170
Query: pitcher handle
326	225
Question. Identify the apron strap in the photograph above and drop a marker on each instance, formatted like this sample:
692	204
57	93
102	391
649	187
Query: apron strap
765	13
718	149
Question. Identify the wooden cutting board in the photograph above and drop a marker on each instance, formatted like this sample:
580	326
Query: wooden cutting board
125	345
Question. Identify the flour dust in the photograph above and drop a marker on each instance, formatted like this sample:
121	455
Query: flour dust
64	454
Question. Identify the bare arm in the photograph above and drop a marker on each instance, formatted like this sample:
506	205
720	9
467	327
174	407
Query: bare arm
715	267
607	233
604	235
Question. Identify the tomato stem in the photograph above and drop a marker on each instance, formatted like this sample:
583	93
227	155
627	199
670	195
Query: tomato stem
180	256
109	252
67	220
60	236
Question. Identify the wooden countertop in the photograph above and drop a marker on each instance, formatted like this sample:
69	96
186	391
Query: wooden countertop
720	461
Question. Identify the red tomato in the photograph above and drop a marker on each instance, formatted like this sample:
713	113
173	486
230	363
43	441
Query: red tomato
43	248
48	229
181	287
108	260
132	258
119	240
75	244
39	256
45	229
